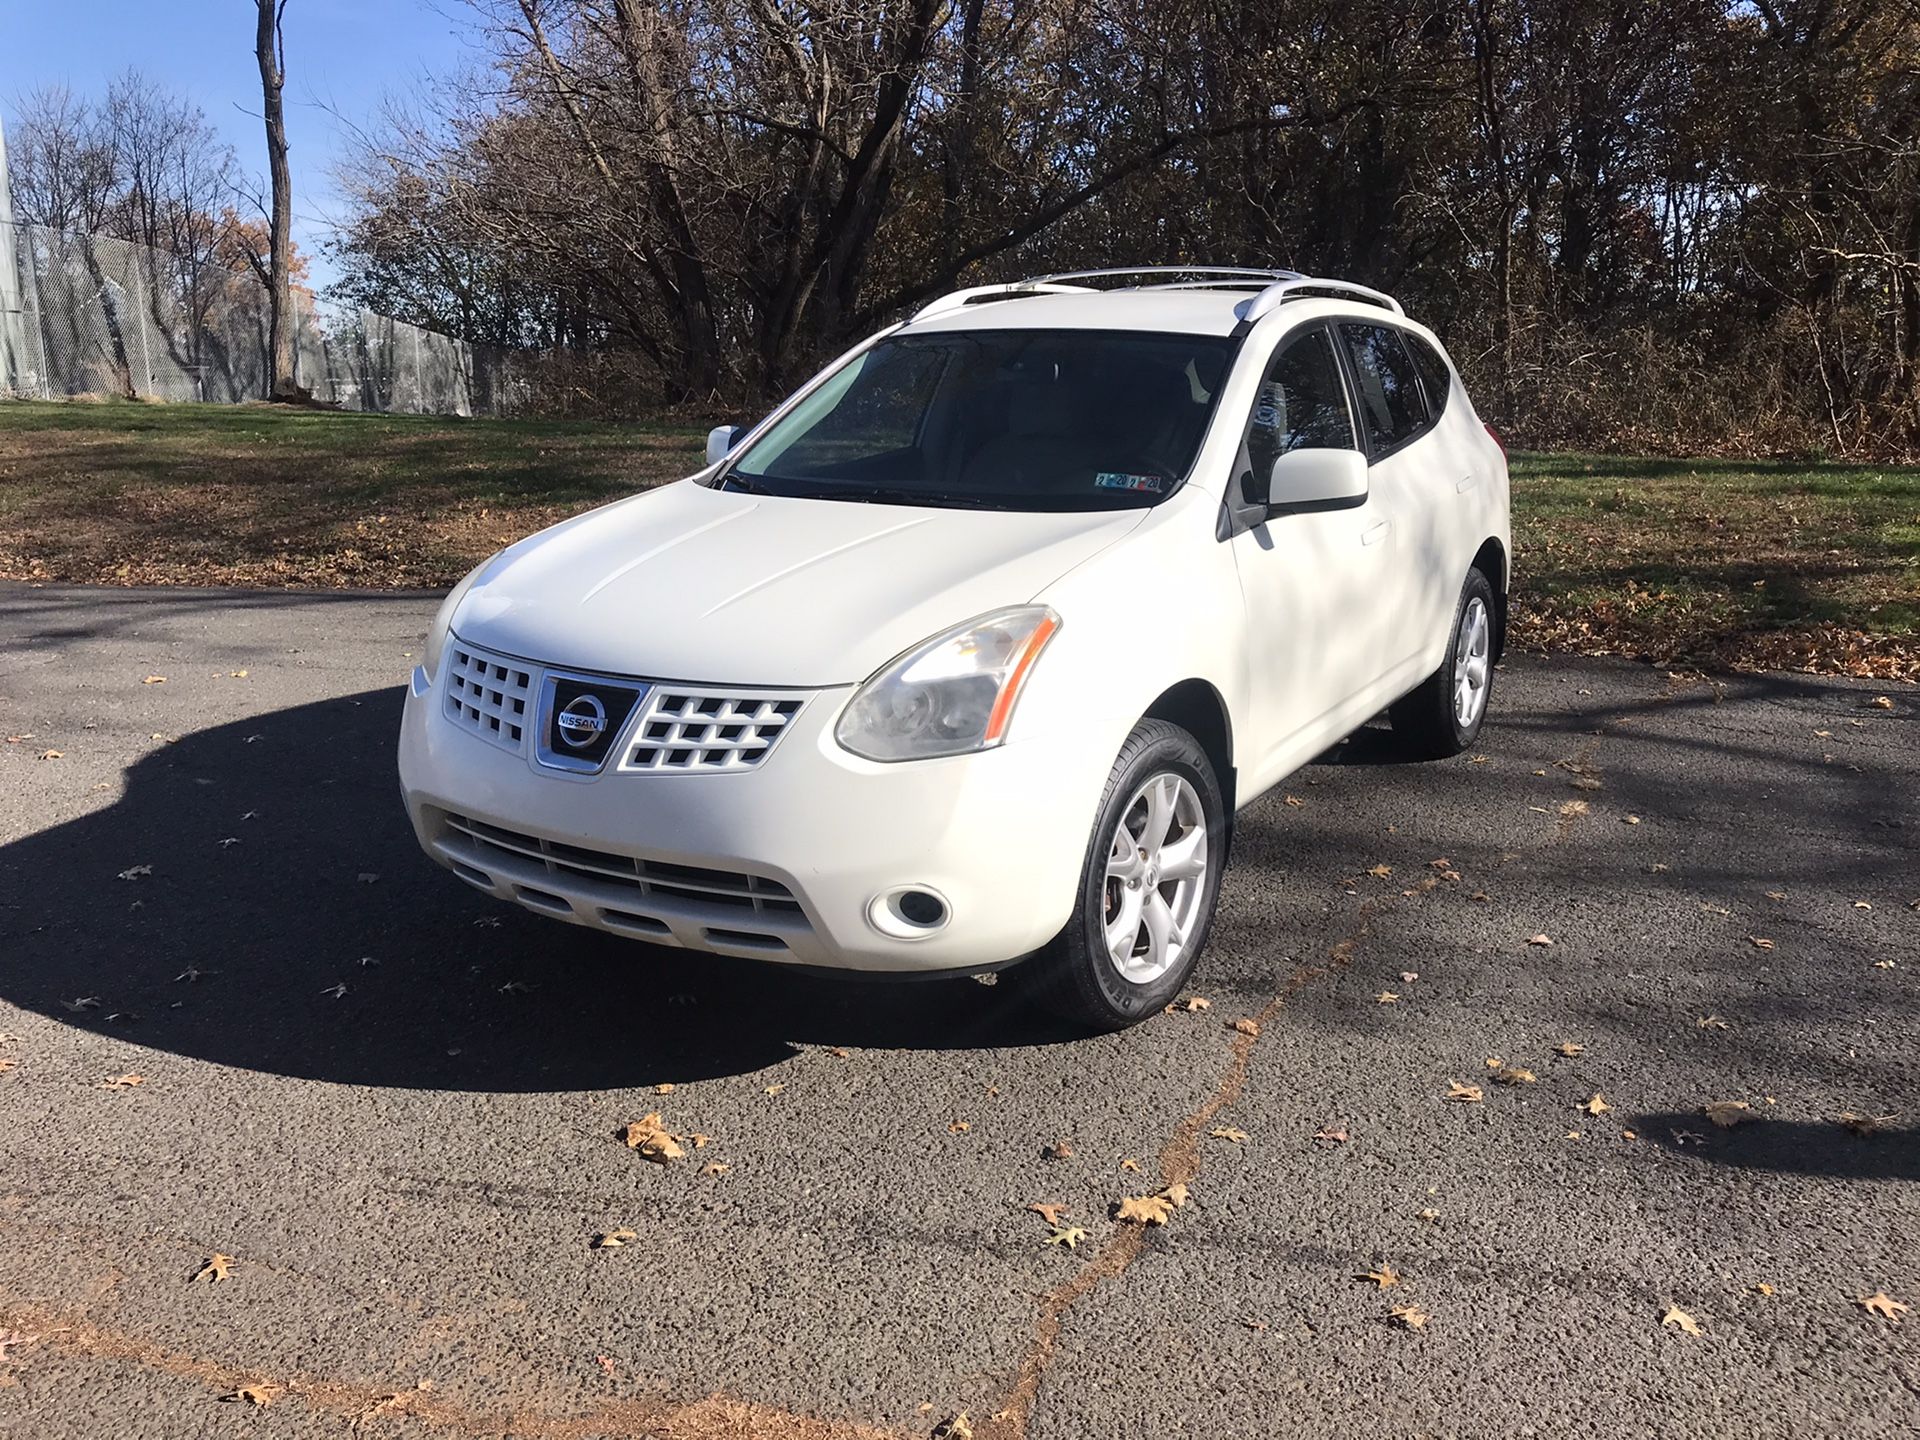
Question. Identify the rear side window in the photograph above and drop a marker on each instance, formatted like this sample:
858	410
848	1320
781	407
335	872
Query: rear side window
1302	404
1434	374
1392	410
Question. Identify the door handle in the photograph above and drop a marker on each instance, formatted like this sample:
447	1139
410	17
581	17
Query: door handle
1465	483
1375	532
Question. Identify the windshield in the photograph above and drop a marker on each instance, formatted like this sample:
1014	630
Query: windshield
998	419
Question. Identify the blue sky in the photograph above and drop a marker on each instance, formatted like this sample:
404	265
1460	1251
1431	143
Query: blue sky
343	56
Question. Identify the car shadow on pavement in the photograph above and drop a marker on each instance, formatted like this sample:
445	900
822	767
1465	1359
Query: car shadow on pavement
256	898
1790	1146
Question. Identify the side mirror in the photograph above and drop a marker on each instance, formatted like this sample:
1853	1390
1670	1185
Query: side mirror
720	440
1317	480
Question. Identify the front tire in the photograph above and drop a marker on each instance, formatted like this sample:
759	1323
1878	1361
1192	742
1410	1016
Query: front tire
1148	886
1442	717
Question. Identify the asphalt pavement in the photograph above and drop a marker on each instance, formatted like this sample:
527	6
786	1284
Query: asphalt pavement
241	1016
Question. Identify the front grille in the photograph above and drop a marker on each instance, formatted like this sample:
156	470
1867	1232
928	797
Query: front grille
748	893
684	729
488	694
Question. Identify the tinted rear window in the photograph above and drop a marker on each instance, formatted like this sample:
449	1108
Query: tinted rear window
1392	410
1434	373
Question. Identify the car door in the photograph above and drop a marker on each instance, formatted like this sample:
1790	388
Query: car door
1310	579
1417	591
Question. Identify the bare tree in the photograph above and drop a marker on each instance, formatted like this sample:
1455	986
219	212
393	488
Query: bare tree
270	49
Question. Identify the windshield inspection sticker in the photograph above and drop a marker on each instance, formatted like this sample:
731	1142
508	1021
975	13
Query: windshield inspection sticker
1113	480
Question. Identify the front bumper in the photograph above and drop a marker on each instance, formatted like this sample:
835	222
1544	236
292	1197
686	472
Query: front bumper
783	862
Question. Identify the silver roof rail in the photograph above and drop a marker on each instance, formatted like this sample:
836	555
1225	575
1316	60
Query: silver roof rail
1274	286
980	294
1302	287
1209	274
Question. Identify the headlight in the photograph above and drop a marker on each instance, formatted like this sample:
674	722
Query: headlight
951	695
443	621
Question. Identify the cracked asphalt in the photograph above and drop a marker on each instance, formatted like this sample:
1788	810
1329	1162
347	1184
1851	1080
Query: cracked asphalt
407	1173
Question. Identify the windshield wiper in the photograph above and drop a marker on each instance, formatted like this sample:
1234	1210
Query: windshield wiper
886	495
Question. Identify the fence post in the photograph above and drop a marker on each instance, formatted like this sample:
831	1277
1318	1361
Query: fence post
140	312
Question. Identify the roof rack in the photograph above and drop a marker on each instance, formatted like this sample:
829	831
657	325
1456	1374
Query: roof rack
1302	287
1272	287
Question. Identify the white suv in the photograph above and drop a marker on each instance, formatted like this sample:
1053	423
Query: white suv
968	652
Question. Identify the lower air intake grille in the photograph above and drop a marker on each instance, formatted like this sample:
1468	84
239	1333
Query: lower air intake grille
684	729
488	694
750	893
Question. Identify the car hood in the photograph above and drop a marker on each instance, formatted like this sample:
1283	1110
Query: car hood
695	584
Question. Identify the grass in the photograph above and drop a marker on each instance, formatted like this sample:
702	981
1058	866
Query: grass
134	494
1747	564
1740	564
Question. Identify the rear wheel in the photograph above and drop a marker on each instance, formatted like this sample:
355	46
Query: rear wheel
1148	886
1443	715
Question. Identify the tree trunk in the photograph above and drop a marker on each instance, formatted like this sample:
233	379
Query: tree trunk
269	49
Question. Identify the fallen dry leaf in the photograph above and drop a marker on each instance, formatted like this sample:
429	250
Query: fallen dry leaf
1432	1217
959	1127
665	1088
1407	977
122	1082
1049	1211
1729	1113
613	1239
1514	1075
1294	800
1227	1132
1383	1277
1676	1316
1331	1136
1192	1004
1541	939
261	1395
1381	872
1409	1317
1881	1303
1143	1210
1130	1164
775	1088
213	1270
1569	1049
1175	1193
1246	1026
1711	1022
1597	1105
651	1138
1881	702
52	754
954	1427
1067	1235
715	1167
1760	942
1464	1094
1058	1150
1864	1124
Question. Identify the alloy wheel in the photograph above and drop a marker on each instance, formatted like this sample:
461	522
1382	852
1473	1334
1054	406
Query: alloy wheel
1156	879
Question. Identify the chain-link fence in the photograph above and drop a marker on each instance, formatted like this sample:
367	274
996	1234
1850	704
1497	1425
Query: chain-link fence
88	314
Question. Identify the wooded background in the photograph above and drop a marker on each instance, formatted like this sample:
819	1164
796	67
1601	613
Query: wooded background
1679	225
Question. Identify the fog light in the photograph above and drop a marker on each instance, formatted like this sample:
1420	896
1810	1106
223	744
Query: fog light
922	908
909	913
